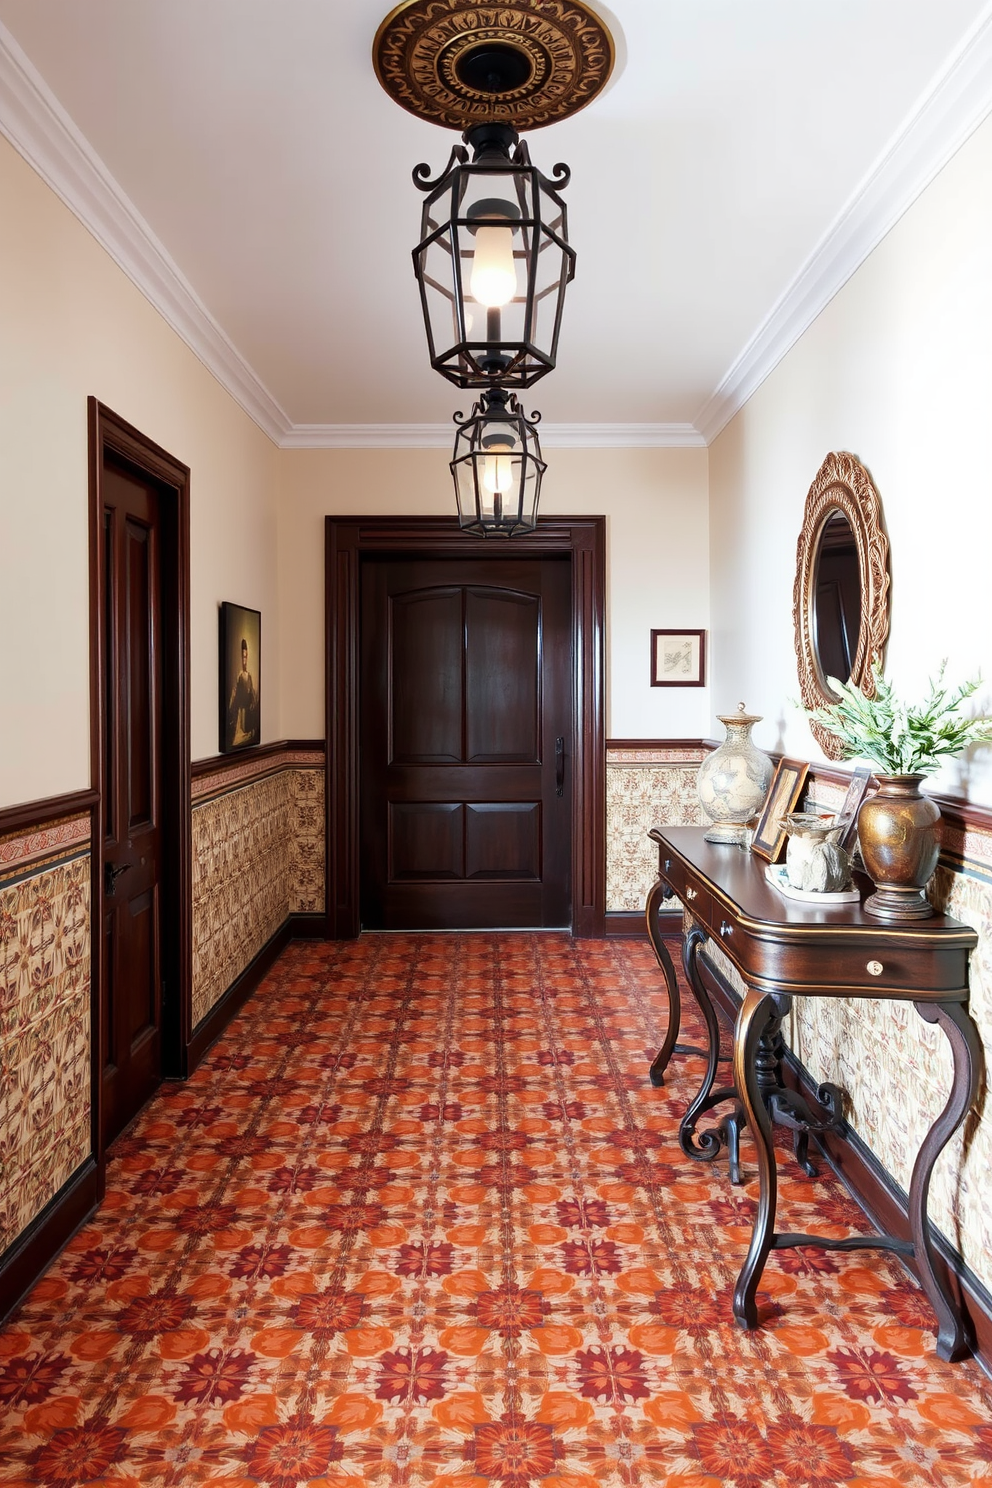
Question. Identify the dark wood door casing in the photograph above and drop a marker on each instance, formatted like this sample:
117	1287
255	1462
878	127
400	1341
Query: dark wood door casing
116	445
131	1005
347	540
466	688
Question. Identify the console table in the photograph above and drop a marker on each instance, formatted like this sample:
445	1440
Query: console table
783	948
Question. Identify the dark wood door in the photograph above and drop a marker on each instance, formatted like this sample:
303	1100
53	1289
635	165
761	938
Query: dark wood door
466	742
131	643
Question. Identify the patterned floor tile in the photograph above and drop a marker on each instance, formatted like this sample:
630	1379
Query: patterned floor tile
420	1219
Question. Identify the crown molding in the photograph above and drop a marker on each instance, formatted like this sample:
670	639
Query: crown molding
441	436
368	436
41	131
621	436
942	119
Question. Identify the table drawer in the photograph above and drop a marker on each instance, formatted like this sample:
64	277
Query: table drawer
686	887
871	968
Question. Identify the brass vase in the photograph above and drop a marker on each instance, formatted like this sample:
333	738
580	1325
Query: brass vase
900	845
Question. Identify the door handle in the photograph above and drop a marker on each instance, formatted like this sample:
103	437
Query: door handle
560	765
112	874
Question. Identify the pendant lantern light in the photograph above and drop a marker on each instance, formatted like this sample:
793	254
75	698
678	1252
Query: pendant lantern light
493	261
497	467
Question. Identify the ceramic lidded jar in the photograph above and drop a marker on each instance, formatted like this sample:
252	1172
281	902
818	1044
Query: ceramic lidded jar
733	781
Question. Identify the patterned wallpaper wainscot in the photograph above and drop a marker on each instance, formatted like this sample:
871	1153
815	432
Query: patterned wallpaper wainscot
647	785
258	857
895	1069
44	1016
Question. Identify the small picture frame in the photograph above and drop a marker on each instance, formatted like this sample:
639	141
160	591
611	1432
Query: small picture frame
783	793
847	816
678	658
240	693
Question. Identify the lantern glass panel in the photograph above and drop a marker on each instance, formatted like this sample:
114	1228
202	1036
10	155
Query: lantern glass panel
551	270
437	268
493	263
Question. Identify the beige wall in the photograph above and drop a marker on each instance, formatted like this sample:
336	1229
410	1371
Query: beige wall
72	324
657	535
898	370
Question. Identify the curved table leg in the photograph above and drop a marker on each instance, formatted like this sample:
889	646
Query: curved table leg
707	1145
652	909
757	1011
962	1035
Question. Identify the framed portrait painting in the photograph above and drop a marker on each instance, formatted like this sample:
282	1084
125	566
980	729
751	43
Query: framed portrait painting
783	793
240	655
678	658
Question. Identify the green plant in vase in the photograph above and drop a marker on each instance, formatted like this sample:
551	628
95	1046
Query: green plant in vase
897	827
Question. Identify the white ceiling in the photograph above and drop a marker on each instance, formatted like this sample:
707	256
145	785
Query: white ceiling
743	161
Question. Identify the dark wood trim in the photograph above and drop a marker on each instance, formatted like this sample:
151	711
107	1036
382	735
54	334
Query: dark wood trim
829	774
53	808
109	433
206	1034
955	810
347	539
49	1232
629	924
958	812
215	764
872	1187
963	814
658	744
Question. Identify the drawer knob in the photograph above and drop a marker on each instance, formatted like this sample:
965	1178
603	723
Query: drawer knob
668	864
874	968
690	893
726	930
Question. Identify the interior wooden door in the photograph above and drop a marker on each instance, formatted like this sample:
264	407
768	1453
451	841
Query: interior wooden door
466	743
132	651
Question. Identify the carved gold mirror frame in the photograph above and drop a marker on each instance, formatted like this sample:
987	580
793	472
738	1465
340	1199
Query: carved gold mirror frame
842	484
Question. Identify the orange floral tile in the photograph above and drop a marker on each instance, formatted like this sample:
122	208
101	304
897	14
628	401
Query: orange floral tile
420	1219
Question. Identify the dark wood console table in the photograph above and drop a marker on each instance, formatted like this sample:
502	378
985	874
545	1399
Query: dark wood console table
783	948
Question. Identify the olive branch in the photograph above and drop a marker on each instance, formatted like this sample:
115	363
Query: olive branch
897	738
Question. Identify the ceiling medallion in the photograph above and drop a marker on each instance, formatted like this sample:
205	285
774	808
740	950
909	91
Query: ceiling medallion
521	62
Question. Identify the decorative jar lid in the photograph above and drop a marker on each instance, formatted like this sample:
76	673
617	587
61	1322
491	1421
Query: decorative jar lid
741	716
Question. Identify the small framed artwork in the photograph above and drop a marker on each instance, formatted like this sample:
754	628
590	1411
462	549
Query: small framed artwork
847	816
783	793
240	654
678	658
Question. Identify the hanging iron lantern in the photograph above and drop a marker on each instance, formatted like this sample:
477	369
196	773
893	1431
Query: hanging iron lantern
493	262
497	467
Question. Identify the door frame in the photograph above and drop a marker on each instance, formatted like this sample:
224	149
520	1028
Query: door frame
347	541
109	433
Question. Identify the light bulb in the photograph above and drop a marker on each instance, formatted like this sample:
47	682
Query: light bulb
497	469
494	274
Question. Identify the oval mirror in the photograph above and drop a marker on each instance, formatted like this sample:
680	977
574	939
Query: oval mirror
836	598
841	596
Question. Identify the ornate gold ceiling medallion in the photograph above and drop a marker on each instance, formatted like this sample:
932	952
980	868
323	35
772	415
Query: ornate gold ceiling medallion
524	62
